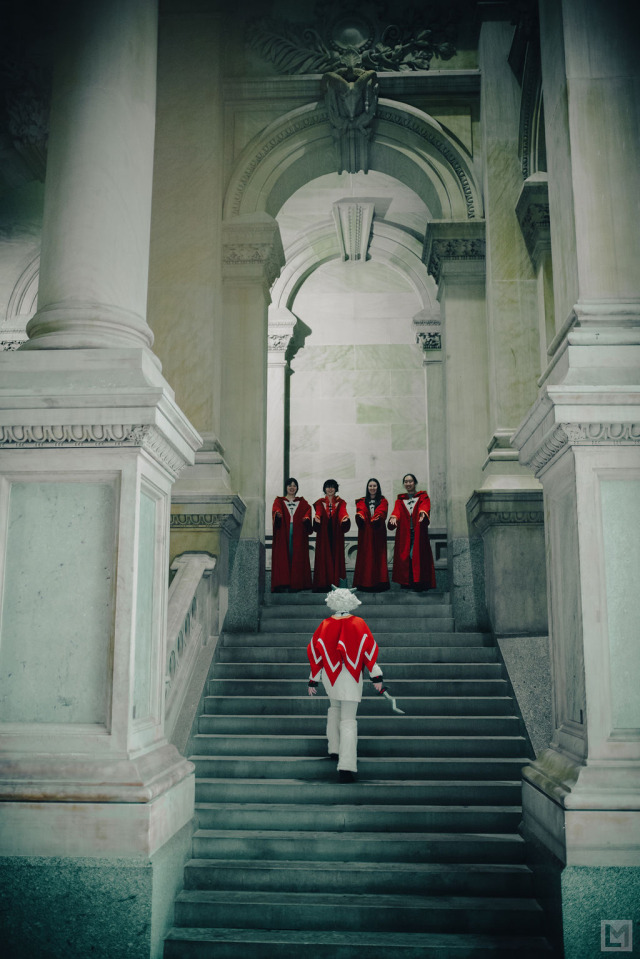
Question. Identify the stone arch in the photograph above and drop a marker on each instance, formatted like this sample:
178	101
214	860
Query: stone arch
390	244
298	147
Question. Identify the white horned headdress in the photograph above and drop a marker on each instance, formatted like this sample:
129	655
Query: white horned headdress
342	600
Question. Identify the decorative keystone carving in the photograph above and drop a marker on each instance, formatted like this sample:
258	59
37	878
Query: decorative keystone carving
353	220
345	29
351	99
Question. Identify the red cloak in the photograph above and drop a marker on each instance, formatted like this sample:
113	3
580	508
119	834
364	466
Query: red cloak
291	569
342	642
329	567
371	570
413	567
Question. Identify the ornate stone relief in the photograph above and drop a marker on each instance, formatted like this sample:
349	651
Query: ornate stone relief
252	247
278	342
351	99
361	29
453	249
96	436
204	521
532	210
7	343
582	434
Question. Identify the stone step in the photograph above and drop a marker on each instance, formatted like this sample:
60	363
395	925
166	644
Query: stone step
300	671
433	879
367	725
226	943
302	767
392	654
373	613
399	688
260	744
373	847
382	624
349	911
349	818
371	705
472	792
433	637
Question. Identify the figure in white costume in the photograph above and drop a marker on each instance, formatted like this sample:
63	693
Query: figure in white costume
341	647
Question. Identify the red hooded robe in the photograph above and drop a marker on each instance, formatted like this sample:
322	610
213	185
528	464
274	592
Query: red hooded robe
371	570
291	570
329	567
413	569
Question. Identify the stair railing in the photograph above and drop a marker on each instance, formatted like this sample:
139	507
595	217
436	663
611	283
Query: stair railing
192	633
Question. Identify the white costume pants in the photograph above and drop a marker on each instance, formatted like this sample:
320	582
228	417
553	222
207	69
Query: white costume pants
342	732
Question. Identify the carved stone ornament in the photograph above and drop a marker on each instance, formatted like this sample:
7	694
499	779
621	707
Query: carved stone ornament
429	341
353	219
204	521
278	342
351	98
453	249
7	343
361	29
103	436
583	434
532	210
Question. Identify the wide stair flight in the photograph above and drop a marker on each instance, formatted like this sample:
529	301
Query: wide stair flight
419	859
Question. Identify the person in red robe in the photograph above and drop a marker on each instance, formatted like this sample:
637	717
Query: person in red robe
290	566
413	564
331	521
371	572
340	649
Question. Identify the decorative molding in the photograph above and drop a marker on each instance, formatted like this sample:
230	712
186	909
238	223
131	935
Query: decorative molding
565	435
24	296
226	522
252	247
346	30
458	249
278	342
353	220
94	436
253	254
9	344
505	507
439	141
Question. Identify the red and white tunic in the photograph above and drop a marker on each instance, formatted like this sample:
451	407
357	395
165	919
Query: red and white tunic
340	649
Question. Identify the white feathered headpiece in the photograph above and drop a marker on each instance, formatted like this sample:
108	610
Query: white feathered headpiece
341	600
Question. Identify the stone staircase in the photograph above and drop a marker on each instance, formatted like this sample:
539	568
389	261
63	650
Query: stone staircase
420	858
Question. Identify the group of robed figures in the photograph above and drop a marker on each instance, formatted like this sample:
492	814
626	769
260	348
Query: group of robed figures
294	519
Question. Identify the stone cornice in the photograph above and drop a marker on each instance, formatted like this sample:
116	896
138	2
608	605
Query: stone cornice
94	436
488	508
308	87
446	241
565	435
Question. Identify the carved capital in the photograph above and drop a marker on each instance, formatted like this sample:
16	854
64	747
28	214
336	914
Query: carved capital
490	508
252	248
447	241
532	210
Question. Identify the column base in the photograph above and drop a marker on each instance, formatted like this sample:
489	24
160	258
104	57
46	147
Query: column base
102	906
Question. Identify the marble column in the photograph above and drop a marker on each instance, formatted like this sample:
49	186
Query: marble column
454	255
279	339
581	797
252	259
96	806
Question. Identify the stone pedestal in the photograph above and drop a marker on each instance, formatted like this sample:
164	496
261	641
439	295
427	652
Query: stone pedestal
93	799
454	255
253	257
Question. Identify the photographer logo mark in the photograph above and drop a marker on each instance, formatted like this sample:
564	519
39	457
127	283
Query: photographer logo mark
616	935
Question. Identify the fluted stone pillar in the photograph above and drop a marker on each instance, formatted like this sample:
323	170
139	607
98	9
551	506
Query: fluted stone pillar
454	255
252	259
581	797
96	806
